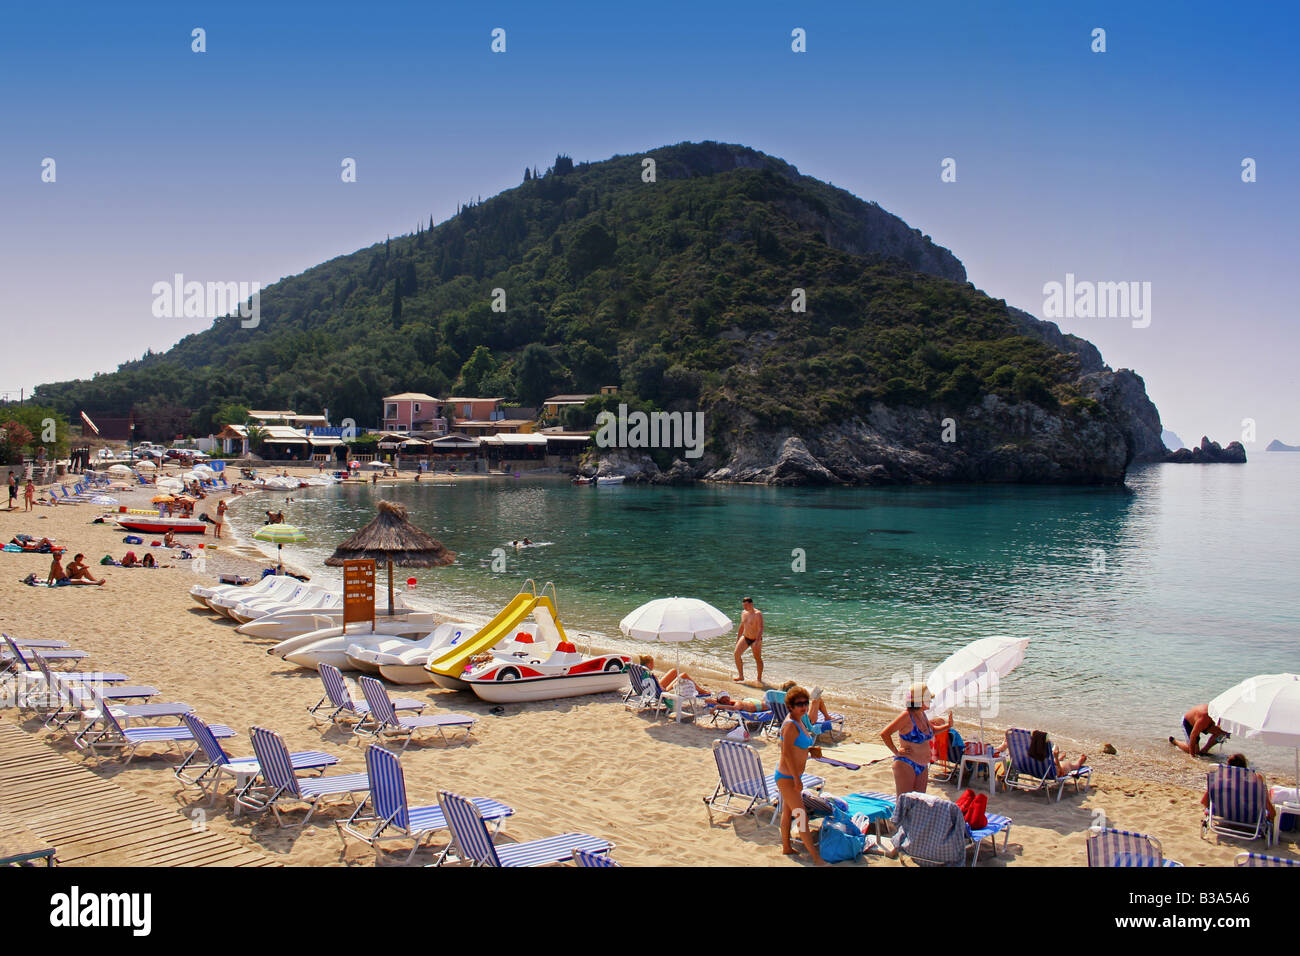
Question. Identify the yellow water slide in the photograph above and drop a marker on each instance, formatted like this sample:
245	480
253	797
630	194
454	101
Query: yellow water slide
498	629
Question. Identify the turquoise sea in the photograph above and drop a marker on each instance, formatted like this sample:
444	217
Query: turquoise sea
1138	601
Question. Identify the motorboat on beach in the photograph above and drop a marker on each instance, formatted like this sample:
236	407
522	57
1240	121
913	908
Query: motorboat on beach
330	645
536	664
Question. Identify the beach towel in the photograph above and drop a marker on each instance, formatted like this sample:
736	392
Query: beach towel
13	548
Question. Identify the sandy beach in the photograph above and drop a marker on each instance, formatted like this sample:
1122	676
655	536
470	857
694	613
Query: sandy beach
584	764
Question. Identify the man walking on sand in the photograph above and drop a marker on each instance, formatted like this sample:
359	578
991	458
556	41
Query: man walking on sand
751	637
13	491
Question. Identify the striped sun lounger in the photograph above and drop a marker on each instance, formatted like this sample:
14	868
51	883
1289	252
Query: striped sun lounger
1026	773
338	706
112	736
742	786
586	858
245	770
1110	847
386	722
1237	806
474	844
282	784
394	818
1261	859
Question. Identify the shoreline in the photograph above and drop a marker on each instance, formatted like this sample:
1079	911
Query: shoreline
146	625
1156	761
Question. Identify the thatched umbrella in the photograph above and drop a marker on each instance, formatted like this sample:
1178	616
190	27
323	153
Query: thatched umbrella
392	538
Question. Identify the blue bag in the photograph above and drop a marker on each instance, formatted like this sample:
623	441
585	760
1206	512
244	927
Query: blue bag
132	539
840	839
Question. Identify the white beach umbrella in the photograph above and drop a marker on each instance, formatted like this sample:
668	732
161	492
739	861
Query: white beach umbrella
103	500
1264	708
376	465
119	471
145	465
171	485
966	678
203	471
675	619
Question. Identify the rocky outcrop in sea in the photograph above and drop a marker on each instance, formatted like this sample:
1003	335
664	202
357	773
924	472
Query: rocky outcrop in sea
1209	453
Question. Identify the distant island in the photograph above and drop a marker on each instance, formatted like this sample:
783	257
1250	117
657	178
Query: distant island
1276	445
1172	441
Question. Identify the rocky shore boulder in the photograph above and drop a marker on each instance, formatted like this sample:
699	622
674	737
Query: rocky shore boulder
1208	453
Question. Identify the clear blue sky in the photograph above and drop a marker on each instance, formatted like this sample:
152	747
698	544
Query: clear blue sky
225	165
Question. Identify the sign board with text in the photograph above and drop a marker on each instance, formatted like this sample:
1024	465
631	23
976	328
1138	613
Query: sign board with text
358	592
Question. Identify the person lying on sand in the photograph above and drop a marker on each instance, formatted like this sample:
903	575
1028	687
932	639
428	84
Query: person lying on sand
79	571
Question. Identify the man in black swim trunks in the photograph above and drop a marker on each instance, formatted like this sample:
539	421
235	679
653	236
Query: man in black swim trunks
750	637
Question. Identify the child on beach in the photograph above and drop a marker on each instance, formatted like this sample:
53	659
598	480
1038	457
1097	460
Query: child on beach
29	495
221	517
79	571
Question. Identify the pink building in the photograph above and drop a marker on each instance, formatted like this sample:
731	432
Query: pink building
413	411
474	409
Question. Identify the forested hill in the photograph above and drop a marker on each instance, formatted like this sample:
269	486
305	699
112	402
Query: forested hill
678	290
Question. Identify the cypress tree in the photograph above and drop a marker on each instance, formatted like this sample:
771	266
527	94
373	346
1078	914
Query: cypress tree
397	301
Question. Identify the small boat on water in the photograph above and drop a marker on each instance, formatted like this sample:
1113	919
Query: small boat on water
162	525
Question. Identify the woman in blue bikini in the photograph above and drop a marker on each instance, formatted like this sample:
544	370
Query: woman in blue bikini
912	759
796	737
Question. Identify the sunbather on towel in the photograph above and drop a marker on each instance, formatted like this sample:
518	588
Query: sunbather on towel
79	571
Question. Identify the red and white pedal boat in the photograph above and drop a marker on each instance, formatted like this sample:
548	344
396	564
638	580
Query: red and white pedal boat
524	671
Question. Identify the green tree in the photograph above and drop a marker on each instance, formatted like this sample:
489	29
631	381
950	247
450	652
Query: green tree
536	373
230	413
477	368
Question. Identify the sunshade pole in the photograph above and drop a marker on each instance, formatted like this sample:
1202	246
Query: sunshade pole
390	587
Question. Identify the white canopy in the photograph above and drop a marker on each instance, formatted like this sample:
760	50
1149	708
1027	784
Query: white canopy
675	619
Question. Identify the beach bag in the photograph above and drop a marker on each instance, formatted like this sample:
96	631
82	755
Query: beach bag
839	838
132	539
107	559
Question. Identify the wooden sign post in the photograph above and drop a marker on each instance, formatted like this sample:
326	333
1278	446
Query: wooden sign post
358	592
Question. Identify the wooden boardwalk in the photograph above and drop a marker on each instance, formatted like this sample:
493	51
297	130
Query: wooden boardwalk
94	822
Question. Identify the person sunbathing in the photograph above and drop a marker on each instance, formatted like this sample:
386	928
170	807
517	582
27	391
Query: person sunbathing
169	539
79	571
1039	749
671	676
130	560
1239	760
